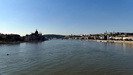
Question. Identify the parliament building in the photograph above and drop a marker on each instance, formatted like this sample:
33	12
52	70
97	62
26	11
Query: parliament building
35	37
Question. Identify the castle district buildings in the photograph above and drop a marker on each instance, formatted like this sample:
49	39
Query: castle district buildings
104	36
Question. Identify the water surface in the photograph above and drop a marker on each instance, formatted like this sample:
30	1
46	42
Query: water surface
66	57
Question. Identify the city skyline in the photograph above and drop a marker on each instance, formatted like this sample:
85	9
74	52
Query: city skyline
65	16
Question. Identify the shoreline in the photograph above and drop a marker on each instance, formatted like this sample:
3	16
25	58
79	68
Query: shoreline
18	42
10	42
113	41
126	42
108	41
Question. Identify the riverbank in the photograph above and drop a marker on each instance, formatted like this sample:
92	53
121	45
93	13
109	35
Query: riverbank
18	42
126	42
114	41
10	42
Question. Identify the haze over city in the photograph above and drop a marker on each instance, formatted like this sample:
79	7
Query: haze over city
65	16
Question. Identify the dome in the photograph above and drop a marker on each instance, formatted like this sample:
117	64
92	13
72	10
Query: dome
36	32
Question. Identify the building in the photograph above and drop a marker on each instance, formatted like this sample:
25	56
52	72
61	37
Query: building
35	37
10	37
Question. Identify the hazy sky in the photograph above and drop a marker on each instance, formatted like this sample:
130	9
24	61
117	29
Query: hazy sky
66	16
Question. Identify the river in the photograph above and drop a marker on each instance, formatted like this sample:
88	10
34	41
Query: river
66	57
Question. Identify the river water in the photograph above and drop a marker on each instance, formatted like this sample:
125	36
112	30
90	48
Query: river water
66	57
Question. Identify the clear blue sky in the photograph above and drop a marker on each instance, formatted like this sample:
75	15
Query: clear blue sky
65	16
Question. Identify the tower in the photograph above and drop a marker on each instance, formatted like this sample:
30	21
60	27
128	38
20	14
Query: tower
36	32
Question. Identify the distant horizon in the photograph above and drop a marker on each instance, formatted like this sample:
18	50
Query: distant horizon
62	34
66	17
